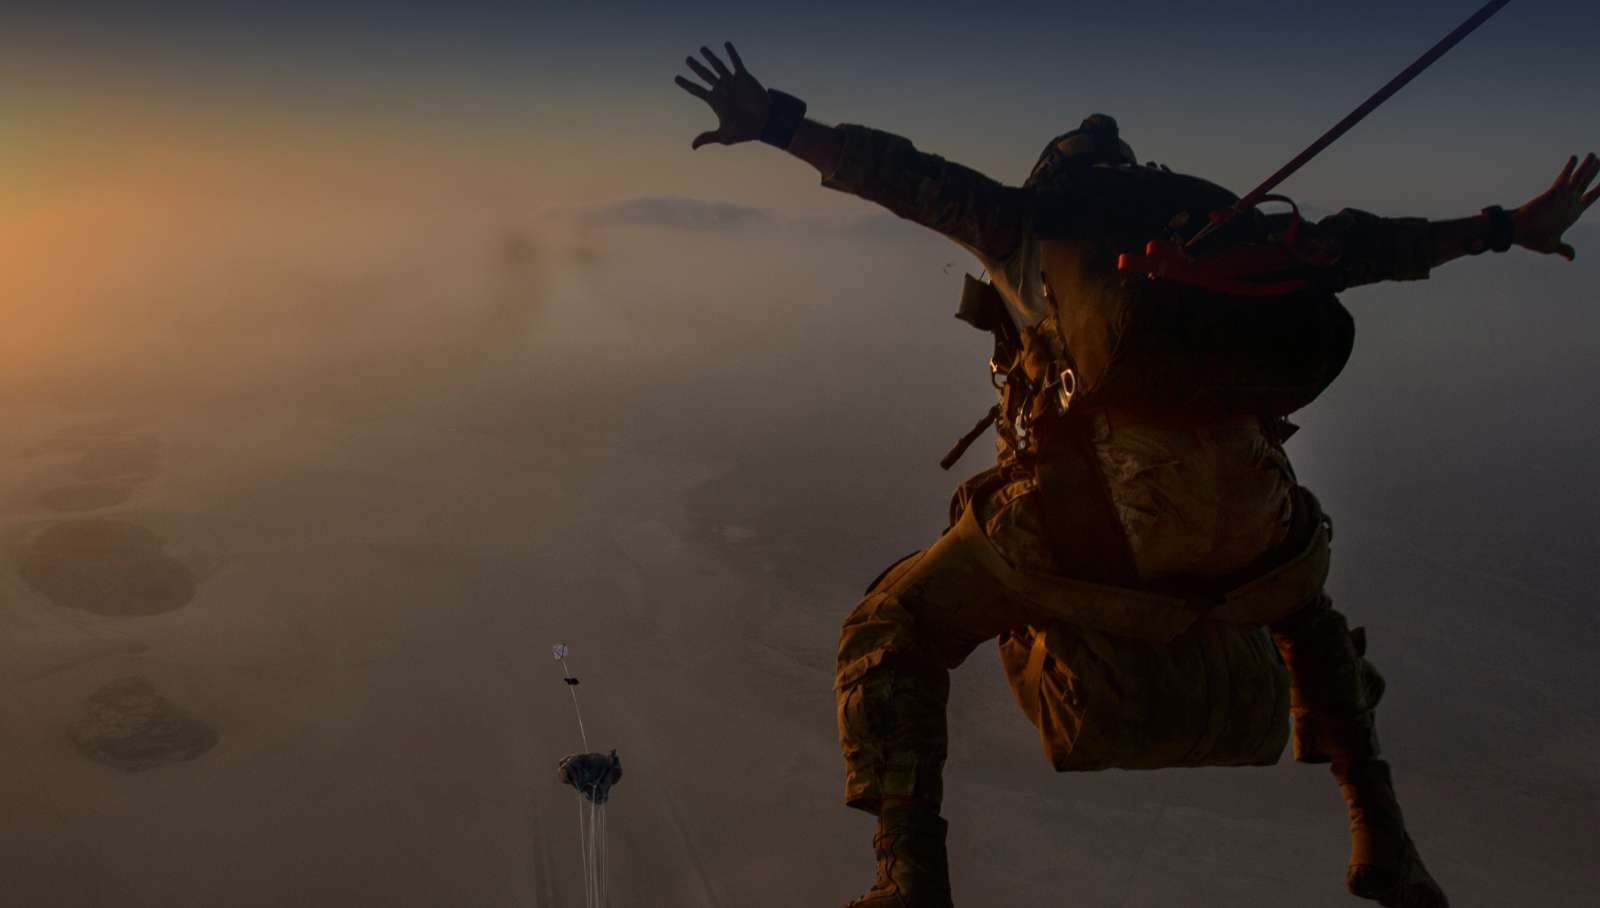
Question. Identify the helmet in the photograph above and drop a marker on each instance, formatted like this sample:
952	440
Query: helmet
1095	142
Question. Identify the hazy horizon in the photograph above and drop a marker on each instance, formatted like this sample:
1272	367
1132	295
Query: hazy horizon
389	345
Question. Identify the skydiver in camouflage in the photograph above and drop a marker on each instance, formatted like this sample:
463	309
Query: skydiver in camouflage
1141	550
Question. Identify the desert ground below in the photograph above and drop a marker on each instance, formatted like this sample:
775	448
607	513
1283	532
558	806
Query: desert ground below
331	581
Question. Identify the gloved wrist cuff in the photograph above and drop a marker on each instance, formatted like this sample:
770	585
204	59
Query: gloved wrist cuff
783	118
1497	236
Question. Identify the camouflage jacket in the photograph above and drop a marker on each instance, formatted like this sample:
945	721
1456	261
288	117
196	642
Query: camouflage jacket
1003	225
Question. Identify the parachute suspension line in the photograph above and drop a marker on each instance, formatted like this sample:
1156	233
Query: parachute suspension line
560	652
583	846
602	859
592	775
1223	215
598	822
592	839
572	688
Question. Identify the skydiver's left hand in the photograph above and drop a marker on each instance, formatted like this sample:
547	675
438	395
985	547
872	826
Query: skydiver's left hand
738	100
1541	222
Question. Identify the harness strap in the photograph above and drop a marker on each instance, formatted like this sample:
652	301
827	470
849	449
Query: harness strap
1219	271
1142	613
1113	609
965	442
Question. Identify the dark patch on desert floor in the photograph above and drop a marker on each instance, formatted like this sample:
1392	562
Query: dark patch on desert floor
102	428
87	496
127	724
109	567
105	458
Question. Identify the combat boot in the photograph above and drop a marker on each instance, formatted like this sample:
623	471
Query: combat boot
912	868
1334	692
1384	864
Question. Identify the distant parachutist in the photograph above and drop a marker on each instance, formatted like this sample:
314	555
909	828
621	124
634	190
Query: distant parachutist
591	775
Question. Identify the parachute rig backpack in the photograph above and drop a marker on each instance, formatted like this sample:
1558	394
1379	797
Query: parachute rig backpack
1246	321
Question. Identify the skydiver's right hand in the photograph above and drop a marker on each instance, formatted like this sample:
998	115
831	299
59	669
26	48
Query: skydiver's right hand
1541	223
738	100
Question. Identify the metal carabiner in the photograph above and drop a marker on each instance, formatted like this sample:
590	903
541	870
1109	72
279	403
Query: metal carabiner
997	378
1065	386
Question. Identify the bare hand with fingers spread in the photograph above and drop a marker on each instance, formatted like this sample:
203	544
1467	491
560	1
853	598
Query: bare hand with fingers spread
1541	222
738	100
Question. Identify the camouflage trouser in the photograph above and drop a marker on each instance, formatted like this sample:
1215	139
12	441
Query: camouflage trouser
1099	699
896	652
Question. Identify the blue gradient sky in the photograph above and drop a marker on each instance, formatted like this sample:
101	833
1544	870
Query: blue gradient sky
1228	90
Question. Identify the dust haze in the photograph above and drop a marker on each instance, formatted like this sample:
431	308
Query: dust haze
306	489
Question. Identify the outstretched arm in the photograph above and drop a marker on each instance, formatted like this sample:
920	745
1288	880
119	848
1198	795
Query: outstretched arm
964	205
1538	225
742	107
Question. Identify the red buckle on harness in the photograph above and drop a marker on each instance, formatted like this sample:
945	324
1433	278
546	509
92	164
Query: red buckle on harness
1220	271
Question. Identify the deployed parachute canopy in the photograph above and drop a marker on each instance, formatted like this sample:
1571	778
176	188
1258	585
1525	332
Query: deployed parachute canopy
592	774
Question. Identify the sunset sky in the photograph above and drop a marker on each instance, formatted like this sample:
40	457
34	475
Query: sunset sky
163	145
417	334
